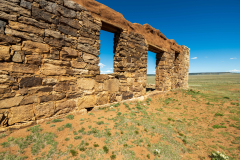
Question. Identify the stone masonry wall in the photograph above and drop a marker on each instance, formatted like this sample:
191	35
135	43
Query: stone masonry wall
49	56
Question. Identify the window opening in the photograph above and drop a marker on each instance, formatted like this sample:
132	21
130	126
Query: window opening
106	52
151	71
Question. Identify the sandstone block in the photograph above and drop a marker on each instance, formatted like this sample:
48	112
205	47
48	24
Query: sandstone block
111	85
86	83
44	110
56	62
74	71
17	57
66	12
17	67
127	95
93	67
7	39
85	40
68	30
48	6
26	4
12	7
52	97
29	46
50	81
28	36
88	48
86	101
70	104
34	59
29	100
20	114
54	34
52	70
73	5
130	81
73	23
39	14
102	98
71	52
102	77
30	82
80	65
56	42
74	95
4	53
60	2
89	58
33	22
6	16
4	89
62	86
10	102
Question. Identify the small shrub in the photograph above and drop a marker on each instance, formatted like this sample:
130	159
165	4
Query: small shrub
148	156
67	139
81	130
137	132
219	126
184	141
119	113
78	137
60	128
35	129
170	119
145	129
2	135
73	152
70	116
52	125
121	132
82	149
105	149
81	119
86	144
56	120
218	156
47	122
100	122
75	133
113	156
68	125
95	145
218	114
125	145
5	144
109	133
116	105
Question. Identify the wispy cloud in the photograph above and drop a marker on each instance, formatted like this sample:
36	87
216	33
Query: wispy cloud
106	72
233	58
109	68
194	58
235	70
101	65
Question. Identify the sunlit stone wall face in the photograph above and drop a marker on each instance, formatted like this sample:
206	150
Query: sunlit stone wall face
49	56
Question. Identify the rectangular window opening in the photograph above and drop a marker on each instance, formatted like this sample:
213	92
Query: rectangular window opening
151	71
106	52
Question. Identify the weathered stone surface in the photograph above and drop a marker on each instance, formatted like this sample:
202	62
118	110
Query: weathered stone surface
73	5
7	39
78	71
73	23
28	36
85	40
30	82
88	48
17	57
51	97
39	89
52	70
56	42
20	68
56	62
102	77
4	53
29	100
50	81
39	14
127	95
26	28
60	2
80	65
70	104
86	83
44	110
102	98
68	30
48	6
86	101
111	85
66	12
33	22
20	114
54	34
4	89
62	86
130	81
34	59
12	7
36	47
93	67
26	4
6	16
10	102
90	58
74	95
99	87
70	52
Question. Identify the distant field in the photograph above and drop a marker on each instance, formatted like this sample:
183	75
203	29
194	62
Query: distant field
151	79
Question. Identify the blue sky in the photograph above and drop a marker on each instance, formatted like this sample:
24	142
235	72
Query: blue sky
210	28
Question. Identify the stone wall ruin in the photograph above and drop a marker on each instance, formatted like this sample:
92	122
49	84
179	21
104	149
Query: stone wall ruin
49	56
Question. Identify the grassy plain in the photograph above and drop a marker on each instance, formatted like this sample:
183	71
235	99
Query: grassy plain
182	124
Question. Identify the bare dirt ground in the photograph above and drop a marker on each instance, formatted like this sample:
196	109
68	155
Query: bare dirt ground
182	124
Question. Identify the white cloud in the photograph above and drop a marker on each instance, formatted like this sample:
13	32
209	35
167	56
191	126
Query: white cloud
235	70
106	72
194	58
109	68
233	58
101	65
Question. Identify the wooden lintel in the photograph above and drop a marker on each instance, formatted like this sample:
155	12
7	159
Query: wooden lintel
155	49
110	27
